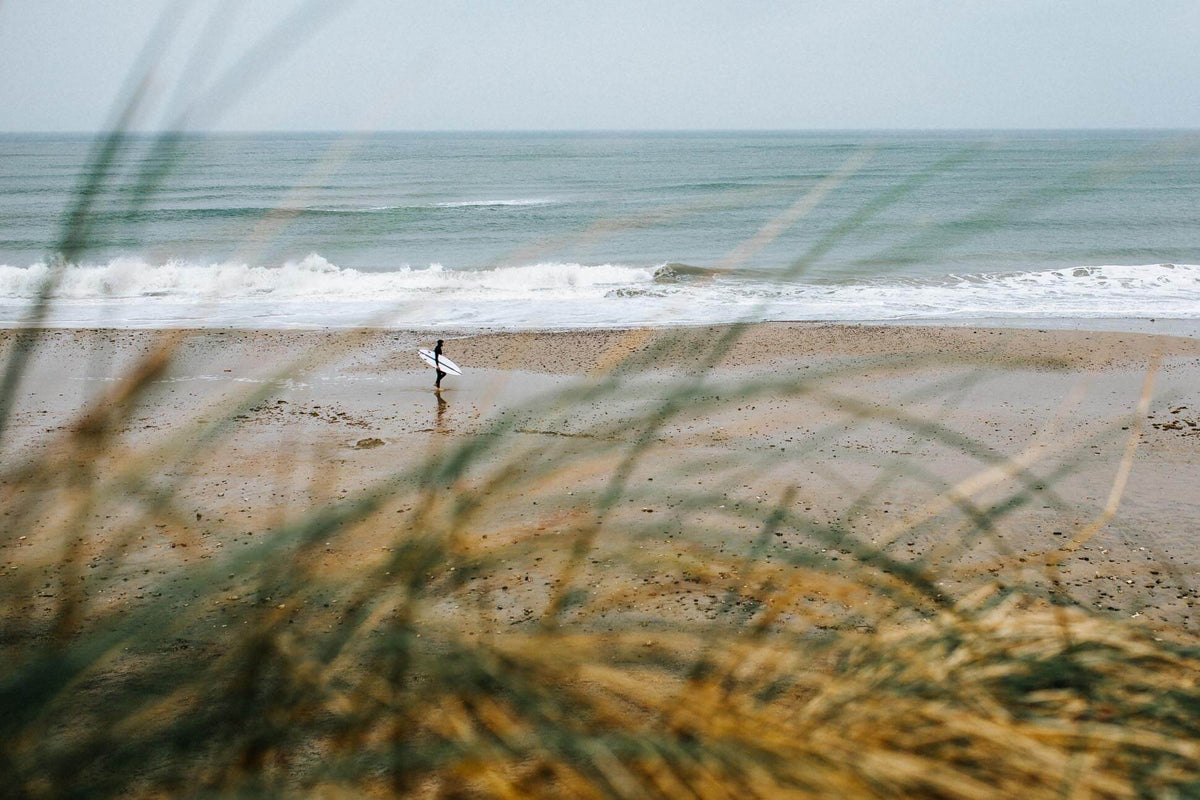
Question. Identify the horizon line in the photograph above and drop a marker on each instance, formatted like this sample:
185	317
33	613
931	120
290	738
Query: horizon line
415	131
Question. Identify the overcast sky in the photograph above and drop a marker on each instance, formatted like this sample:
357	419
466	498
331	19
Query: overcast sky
649	64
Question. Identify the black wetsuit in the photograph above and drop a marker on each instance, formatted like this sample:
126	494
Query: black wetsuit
437	365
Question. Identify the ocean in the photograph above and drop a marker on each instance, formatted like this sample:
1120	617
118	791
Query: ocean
560	230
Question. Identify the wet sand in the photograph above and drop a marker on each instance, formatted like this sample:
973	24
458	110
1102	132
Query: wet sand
860	426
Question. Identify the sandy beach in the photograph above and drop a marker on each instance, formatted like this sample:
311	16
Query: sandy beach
867	429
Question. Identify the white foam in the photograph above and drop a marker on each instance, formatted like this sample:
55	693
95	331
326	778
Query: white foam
313	291
311	278
1150	290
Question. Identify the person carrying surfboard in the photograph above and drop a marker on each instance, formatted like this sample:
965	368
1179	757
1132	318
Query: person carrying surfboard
437	365
439	362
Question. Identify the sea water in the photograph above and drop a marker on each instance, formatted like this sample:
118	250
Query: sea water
553	230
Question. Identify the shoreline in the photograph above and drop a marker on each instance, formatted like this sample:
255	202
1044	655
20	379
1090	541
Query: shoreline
1185	327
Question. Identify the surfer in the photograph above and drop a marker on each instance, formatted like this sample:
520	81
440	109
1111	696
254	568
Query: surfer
437	365
442	365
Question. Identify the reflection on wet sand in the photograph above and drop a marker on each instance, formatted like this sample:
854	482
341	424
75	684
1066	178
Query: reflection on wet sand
439	423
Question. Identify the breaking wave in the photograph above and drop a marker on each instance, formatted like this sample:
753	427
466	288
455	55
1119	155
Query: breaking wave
313	277
314	291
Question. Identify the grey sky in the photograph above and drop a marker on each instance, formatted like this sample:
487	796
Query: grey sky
576	64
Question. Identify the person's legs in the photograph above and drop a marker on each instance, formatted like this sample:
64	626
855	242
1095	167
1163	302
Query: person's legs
437	384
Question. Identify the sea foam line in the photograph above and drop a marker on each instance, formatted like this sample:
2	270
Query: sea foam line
619	292
312	277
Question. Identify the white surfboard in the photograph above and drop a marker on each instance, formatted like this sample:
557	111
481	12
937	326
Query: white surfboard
446	364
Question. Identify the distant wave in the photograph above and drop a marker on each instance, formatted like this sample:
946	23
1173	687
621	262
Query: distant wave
416	206
240	212
340	209
346	209
484	203
314	291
